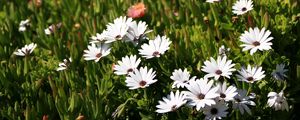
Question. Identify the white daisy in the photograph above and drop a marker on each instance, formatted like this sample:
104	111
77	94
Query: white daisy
226	94
241	100
250	75
218	68
98	38
52	28
64	65
140	78
117	30
201	93
95	52
137	31
171	103
127	65
279	73
278	101
242	6
212	1
216	111
181	78
155	48
26	50
256	39
23	24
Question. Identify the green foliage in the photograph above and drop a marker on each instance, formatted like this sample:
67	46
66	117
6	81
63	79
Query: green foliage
30	87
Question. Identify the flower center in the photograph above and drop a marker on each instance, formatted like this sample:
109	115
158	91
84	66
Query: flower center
201	96
237	99
118	37
156	53
244	9
222	95
256	43
129	70
214	111
174	108
143	83
218	72
250	78
99	55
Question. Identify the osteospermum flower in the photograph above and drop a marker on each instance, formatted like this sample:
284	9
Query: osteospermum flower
241	102
256	39
171	103
278	101
52	28
216	111
23	24
137	31
242	6
226	94
95	52
127	65
26	50
117	30
155	48
98	38
64	65
141	78
250	74
279	73
218	68
181	78
201	93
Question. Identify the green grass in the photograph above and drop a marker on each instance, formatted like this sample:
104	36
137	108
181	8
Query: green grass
30	87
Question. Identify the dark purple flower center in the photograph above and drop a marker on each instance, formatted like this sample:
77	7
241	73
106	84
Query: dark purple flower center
222	95
156	53
99	55
250	78
256	43
143	83
244	9
219	72
201	96
214	111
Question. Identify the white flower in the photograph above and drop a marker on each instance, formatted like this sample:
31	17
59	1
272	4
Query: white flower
241	101
226	94
26	50
201	93
64	65
117	30
140	78
242	6
95	52
223	51
278	101
155	48
98	38
23	24
171	103
256	39
212	1
48	30
52	28
250	75
218	68
127	65
279	73
216	111
137	31
181	78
